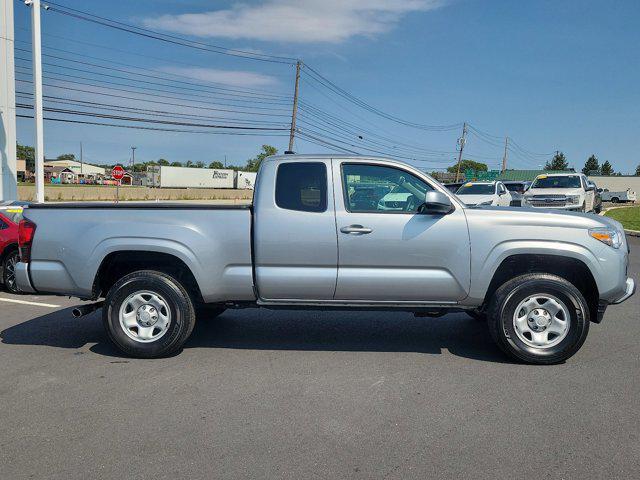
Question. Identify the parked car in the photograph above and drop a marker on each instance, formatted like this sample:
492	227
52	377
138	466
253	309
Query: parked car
539	278
517	190
618	197
453	187
562	191
484	194
597	200
10	217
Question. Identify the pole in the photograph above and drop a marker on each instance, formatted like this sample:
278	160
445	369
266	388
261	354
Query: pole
133	159
295	107
461	141
36	47
81	160
8	167
506	153
225	161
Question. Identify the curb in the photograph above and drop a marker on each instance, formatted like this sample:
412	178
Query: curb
631	233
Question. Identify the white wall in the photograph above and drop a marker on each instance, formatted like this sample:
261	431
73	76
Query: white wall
617	184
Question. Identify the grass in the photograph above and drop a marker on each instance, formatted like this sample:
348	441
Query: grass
628	216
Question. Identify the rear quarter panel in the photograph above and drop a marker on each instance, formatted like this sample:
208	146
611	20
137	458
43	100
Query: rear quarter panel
70	245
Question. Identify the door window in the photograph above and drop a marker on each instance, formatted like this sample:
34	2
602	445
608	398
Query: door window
302	186
381	189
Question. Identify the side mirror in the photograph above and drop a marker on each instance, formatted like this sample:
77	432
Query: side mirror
590	188
435	203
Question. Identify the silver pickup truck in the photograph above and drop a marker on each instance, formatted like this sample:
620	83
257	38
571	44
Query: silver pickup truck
331	232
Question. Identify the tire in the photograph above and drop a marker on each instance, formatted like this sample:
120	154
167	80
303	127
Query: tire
131	306
478	315
598	209
533	287
615	200
8	272
584	207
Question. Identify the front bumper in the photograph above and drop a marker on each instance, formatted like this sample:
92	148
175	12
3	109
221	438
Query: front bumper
567	208
630	289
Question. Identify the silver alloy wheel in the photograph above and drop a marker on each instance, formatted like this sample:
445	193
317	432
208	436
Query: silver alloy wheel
145	316
541	321
10	273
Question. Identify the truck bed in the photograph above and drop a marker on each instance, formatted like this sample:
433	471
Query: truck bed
74	239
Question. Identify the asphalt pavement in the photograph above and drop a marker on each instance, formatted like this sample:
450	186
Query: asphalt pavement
303	395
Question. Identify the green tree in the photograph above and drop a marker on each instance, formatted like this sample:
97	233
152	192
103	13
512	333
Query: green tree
199	165
468	165
66	156
638	171
189	164
591	166
254	163
216	164
163	162
607	168
558	162
27	154
176	164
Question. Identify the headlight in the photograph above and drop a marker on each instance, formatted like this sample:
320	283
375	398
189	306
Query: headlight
575	199
490	202
607	235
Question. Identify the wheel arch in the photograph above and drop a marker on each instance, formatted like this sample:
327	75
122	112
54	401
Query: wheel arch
571	269
12	247
117	264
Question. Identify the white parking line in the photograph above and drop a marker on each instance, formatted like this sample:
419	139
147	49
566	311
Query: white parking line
24	302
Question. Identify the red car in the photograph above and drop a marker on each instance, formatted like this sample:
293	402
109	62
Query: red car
9	256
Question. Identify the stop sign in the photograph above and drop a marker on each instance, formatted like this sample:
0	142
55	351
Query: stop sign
117	172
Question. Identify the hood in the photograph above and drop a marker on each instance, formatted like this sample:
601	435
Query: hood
475	199
553	191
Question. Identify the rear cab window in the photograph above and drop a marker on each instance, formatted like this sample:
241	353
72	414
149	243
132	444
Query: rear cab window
302	186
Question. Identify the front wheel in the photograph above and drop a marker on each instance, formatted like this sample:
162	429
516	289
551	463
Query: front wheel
539	318
148	314
9	272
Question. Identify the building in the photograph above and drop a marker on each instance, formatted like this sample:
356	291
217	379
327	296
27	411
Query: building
80	169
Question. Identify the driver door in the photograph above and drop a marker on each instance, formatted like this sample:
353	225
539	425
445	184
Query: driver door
386	251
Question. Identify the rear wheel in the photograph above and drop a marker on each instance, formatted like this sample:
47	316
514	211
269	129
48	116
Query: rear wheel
148	314
9	272
539	318
615	200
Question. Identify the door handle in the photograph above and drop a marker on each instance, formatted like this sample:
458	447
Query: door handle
356	229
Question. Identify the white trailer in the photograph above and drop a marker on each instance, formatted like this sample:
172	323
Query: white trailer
185	177
246	180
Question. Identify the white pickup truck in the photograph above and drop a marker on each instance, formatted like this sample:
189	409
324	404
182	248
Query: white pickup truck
562	191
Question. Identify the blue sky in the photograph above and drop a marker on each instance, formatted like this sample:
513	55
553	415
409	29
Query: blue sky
549	74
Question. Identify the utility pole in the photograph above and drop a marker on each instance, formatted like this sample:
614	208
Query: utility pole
36	48
295	108
506	153
133	159
8	170
461	141
81	160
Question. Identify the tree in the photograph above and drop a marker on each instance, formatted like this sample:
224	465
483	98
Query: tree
66	156
254	163
468	165
216	164
607	168
27	154
199	164
558	162
176	164
189	164
638	171
163	162
591	166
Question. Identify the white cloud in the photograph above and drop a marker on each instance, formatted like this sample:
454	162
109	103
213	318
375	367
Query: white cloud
302	21
238	78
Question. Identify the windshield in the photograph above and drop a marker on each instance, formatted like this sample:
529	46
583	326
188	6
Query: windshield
515	187
477	189
572	181
12	213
